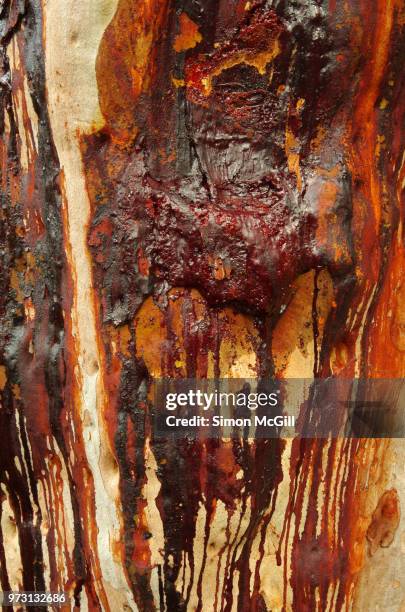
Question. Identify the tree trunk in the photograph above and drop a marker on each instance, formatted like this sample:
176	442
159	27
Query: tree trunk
199	190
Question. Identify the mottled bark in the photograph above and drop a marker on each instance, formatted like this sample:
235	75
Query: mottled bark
198	189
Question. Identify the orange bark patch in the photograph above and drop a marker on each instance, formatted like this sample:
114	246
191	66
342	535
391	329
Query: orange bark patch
189	36
125	61
3	377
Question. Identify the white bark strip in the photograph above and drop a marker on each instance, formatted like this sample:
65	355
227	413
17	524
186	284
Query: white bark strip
70	51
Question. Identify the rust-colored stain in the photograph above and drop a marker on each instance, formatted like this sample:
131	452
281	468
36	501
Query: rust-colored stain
385	521
246	220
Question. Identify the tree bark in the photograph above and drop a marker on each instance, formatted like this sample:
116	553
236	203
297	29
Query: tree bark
198	190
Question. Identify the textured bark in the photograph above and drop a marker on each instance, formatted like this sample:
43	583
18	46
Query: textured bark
198	189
